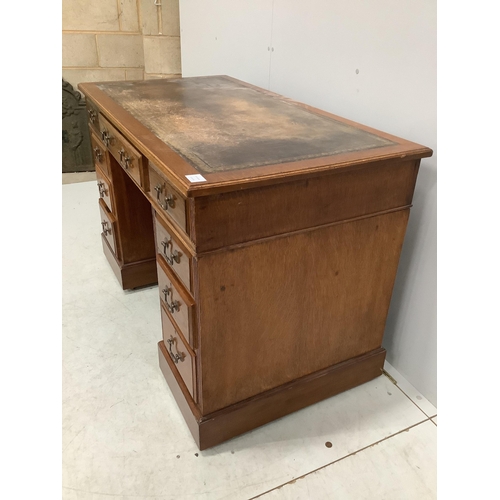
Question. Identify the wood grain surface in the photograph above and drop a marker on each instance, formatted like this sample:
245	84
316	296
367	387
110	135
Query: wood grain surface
160	190
281	309
125	154
132	275
185	364
99	153
173	251
104	188
270	405
183	314
108	227
246	215
215	428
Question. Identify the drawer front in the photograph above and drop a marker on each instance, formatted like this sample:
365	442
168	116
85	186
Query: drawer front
176	256
125	154
103	185
167	200
108	224
93	115
99	154
176	299
180	353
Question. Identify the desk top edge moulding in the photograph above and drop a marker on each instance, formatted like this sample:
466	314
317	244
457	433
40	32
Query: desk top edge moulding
273	230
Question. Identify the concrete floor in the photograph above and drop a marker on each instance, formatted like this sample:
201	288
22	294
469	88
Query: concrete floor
124	437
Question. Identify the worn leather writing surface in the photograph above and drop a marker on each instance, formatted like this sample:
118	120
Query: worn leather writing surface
218	124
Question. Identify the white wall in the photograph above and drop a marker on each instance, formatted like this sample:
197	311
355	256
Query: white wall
372	62
224	37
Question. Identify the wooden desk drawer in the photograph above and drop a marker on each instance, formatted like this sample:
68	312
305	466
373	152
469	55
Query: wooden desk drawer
180	352
176	299
93	114
125	154
168	200
104	187
174	253
108	223
99	154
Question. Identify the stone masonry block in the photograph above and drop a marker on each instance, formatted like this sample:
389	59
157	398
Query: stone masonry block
120	51
170	17
149	18
79	50
162	55
90	15
129	20
134	74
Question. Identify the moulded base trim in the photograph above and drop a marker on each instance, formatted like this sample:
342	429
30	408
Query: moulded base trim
222	425
133	275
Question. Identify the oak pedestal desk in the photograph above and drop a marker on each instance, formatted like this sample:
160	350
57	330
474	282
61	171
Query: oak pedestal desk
273	230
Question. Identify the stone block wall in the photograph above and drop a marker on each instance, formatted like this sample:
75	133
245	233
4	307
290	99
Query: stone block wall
106	40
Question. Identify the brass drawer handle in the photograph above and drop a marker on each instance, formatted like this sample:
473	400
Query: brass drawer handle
98	154
171	257
175	357
124	159
169	199
105	228
106	138
92	116
102	189
175	305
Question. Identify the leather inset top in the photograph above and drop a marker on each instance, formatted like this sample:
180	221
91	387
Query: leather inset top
218	125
